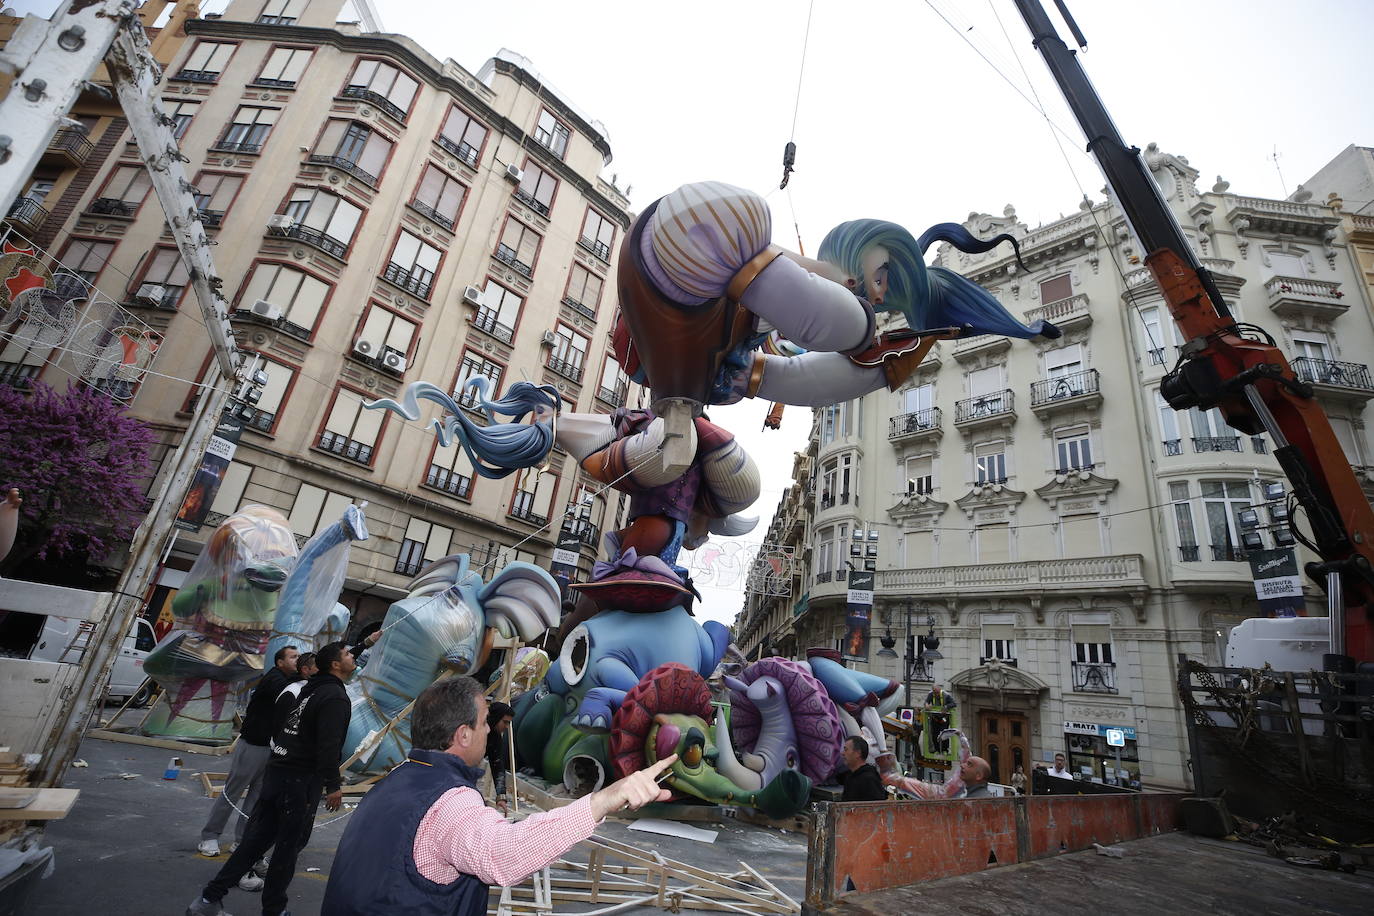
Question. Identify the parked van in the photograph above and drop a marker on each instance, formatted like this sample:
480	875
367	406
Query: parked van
64	639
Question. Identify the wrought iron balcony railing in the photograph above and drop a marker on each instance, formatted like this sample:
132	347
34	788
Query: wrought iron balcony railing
198	76
613	396
71	143
566	368
1229	553
1072	385
345	164
986	405
314	237
579	308
112	206
1330	372
344	447
376	98
528	200
508	255
1173	447
1188	553
27	213
917	421
410	282
485	320
1216	443
449	481
432	213
600	249
466	152
526	513
236	146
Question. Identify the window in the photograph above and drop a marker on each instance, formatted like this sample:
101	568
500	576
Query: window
229	496
248	131
86	258
1094	670
536	189
990	463
1072	451
1081	535
584	290
424	543
552	134
533	496
993	542
413	264
450	470
830	415
569	353
499	312
385	338
324	220
1311	344
998	642
316	508
919	476
1287	264
518	248
282	12
123	191
181	112
351	430
439	196
384	86
615	384
1210	432
214	193
1222	501
1159	335
825	554
355	148
268	408
598	234
1183	521
473	366
1064	369
298	295
829	483
284	67
463	136
1168	426
921	397
165	270
1056	289
207	62
849	480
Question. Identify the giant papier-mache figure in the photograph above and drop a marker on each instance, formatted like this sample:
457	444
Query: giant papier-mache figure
712	312
224	613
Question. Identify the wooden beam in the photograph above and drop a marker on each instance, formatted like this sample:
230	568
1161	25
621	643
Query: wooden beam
36	804
166	744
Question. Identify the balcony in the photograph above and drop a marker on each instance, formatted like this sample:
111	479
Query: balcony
1094	677
1066	392
526	513
464	151
823	577
410	282
268	82
1216	444
485	321
237	146
68	148
313	237
984	410
586	532
448	481
1188	553
367	95
600	250
507	255
919	424
1228	553
1009	662
408	567
1173	448
579	308
197	76
1063	313
18	375
346	165
1294	297
27	214
566	368
211	219
613	396
528	200
1335	381
281	324
1066	576
344	447
111	206
432	214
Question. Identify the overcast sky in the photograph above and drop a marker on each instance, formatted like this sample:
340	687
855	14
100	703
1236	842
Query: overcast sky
899	117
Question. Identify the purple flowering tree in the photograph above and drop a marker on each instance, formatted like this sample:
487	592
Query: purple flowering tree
80	463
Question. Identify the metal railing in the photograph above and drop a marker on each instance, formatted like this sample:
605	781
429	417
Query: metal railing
528	200
211	219
507	255
198	76
411	283
449	481
527	514
1216	443
1065	386
600	249
824	577
432	213
344	164
344	447
466	152
376	98
987	405
1188	553
1229	553
73	142
916	421
270	83
27	212
1173	447
485	320
313	237
18	375
236	146
579	308
112	206
613	396
1331	372
565	368
1259	445
1094	677
1085	466
585	531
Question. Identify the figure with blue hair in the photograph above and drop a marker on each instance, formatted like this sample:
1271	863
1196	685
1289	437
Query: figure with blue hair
702	289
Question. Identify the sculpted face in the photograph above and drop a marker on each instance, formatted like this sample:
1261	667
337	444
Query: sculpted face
874	265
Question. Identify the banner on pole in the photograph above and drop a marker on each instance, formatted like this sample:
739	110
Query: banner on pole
218	453
1278	586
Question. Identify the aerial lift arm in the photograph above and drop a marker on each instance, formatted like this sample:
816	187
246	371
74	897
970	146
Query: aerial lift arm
1235	368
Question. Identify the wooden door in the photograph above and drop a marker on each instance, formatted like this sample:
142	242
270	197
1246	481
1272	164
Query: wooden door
1004	742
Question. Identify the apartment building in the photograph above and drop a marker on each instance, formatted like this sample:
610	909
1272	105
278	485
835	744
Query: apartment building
1037	508
378	217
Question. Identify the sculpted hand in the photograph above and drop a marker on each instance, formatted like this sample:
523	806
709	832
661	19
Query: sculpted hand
634	791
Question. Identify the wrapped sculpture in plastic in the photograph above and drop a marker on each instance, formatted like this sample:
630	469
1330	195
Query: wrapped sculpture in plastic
446	623
309	607
224	613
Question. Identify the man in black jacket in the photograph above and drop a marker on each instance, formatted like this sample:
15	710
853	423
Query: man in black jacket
250	755
306	750
860	778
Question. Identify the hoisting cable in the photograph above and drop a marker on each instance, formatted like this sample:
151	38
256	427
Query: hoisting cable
789	152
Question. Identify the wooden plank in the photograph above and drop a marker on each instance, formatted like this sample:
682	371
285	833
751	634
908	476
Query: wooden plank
166	744
45	804
1295	723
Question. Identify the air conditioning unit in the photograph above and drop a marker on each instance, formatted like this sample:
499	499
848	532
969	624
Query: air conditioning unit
365	348
472	295
394	361
514	174
151	293
550	338
280	221
266	310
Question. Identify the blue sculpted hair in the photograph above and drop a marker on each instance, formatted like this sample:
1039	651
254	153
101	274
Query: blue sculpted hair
497	449
929	297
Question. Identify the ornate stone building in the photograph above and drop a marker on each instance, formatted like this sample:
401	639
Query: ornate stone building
1038	509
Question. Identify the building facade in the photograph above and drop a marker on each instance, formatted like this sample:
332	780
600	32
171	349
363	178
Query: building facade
379	217
1038	509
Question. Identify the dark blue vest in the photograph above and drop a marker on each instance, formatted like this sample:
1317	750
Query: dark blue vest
374	869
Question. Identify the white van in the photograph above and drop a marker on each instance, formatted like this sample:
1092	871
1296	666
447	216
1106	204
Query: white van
64	639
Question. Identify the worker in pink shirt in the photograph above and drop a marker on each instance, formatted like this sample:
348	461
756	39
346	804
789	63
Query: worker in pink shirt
423	842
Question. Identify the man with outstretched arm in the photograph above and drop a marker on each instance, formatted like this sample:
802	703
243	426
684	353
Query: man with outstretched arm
423	842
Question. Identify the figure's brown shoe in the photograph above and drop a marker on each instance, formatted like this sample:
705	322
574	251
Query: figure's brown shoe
900	352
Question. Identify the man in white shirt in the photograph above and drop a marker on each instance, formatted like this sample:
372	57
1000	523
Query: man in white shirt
1058	768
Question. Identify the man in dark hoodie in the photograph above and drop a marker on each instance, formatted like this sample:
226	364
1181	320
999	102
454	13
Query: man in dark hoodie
306	751
860	778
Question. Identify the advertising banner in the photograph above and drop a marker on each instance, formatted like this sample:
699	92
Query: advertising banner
1278	586
210	475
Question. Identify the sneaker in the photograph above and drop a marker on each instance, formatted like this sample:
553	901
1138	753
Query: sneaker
202	907
208	848
259	867
251	882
